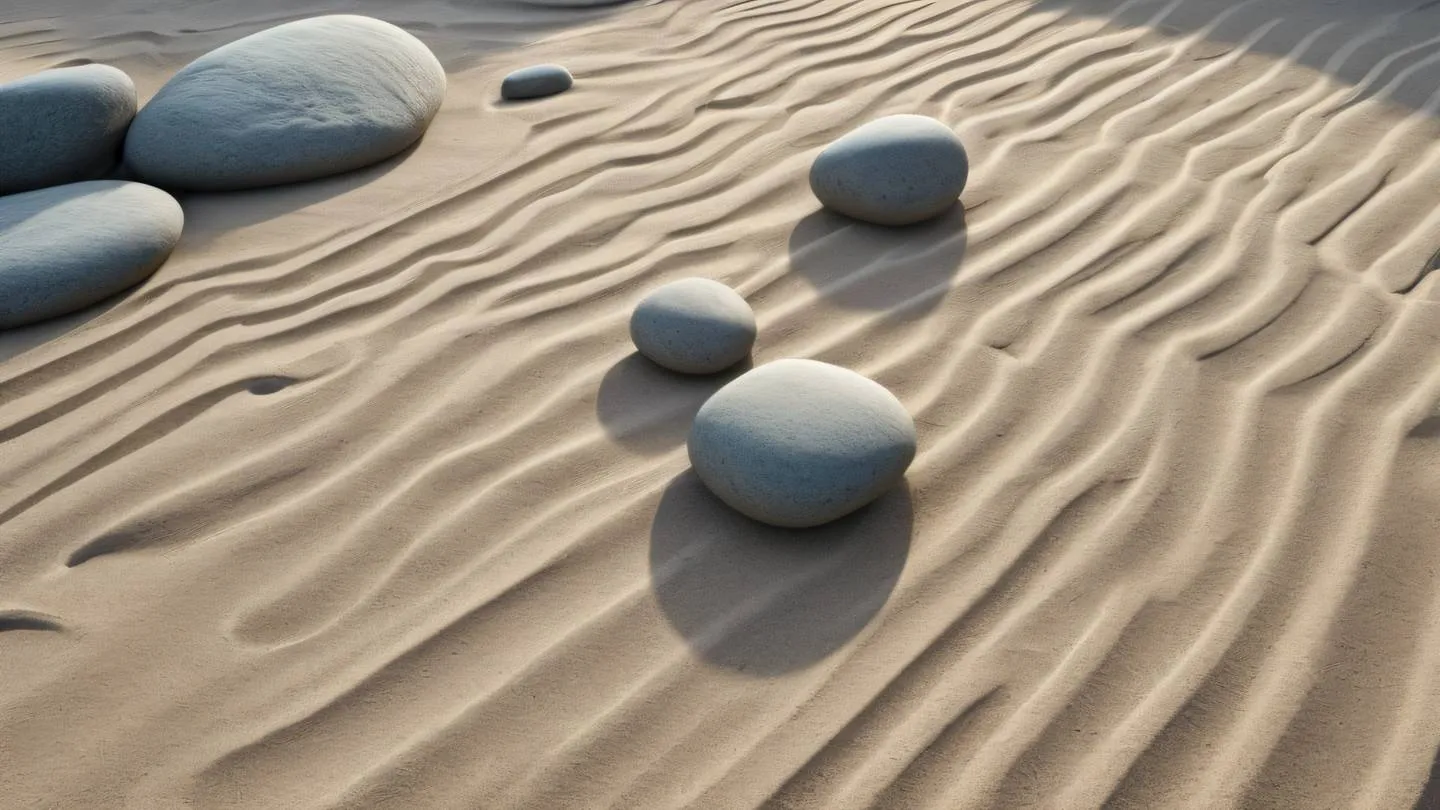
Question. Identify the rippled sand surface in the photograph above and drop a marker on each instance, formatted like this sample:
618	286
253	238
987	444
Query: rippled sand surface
363	500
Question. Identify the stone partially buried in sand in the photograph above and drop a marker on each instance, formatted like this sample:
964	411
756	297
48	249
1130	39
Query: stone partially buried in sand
296	102
694	326
896	170
67	247
62	126
536	81
797	443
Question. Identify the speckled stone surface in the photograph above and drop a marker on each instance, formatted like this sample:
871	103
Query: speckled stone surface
536	81
694	326
798	443
896	170
62	126
66	247
295	102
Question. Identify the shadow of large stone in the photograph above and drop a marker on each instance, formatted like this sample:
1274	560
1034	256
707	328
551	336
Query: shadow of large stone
903	270
766	601
648	409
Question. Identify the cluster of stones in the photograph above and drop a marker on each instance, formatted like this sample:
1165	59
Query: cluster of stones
798	443
296	102
793	443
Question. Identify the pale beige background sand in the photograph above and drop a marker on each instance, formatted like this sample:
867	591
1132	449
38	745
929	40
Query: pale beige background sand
361	501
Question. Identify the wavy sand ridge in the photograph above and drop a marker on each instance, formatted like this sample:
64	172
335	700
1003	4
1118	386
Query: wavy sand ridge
362	502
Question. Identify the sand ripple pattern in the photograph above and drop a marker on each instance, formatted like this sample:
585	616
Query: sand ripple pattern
362	502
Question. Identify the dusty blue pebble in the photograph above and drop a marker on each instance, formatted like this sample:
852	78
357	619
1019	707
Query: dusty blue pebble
62	126
296	102
536	81
694	326
66	247
896	170
797	443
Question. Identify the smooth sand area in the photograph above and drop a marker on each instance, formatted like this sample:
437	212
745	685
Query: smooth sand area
363	499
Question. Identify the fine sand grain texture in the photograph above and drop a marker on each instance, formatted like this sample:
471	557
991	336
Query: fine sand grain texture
363	499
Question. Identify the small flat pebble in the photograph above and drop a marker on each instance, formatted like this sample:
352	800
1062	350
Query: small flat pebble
536	81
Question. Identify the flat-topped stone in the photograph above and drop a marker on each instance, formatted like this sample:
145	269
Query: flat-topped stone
536	81
62	126
896	170
798	443
66	247
296	102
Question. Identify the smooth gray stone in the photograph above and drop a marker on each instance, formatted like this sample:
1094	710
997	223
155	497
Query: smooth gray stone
694	326
66	247
798	443
536	81
896	170
296	102
62	126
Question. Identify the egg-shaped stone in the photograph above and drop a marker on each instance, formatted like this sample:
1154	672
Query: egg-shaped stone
64	248
694	326
896	170
296	102
63	126
797	443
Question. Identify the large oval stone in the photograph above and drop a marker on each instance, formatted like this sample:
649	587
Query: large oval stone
295	102
62	126
66	247
798	443
897	170
694	326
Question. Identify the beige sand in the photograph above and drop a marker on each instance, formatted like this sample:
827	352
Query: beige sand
362	501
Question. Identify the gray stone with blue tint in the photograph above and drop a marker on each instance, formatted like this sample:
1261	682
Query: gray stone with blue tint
694	326
66	247
296	102
63	126
897	170
797	443
536	81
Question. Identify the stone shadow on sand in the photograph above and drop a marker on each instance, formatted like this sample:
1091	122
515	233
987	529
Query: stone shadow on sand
766	601
902	270
648	409
209	214
1430	797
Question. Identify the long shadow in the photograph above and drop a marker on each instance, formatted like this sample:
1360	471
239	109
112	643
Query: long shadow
212	213
766	601
904	271
21	339
1430	797
1343	21
648	409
